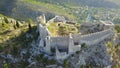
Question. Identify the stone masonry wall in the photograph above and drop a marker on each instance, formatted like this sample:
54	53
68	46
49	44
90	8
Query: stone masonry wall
61	42
94	38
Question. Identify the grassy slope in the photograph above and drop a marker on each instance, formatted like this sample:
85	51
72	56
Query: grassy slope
62	29
25	9
52	8
13	37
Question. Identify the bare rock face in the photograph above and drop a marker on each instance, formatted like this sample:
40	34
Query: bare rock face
96	56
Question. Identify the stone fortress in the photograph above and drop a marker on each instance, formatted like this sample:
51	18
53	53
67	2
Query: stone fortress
64	46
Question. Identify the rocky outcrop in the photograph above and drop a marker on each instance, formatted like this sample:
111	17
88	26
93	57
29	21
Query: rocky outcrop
97	56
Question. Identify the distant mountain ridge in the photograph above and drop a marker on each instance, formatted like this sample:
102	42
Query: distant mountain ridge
91	3
32	8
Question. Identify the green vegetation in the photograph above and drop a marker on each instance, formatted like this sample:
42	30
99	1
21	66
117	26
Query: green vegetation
89	66
6	65
13	35
83	45
61	29
53	50
24	64
52	8
17	24
77	52
109	44
82	66
44	60
66	64
116	66
114	51
39	57
6	20
117	28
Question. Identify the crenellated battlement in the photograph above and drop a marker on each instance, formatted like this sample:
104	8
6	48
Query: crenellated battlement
59	36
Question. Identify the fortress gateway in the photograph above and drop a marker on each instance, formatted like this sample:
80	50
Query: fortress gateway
64	46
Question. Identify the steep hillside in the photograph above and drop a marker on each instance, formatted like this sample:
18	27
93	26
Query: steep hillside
14	36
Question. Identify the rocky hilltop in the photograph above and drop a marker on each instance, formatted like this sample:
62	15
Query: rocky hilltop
21	45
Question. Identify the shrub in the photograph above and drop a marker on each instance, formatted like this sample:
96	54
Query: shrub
6	65
77	52
110	44
117	28
40	57
83	45
45	60
82	66
116	66
89	66
53	50
1	48
15	50
66	64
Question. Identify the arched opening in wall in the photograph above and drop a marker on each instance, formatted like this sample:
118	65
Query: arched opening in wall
44	44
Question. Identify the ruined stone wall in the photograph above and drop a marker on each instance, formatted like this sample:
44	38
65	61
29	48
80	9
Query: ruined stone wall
73	48
61	55
94	38
76	37
61	41
43	31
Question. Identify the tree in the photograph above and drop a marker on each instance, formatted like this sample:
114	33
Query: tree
29	26
14	26
6	20
17	24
